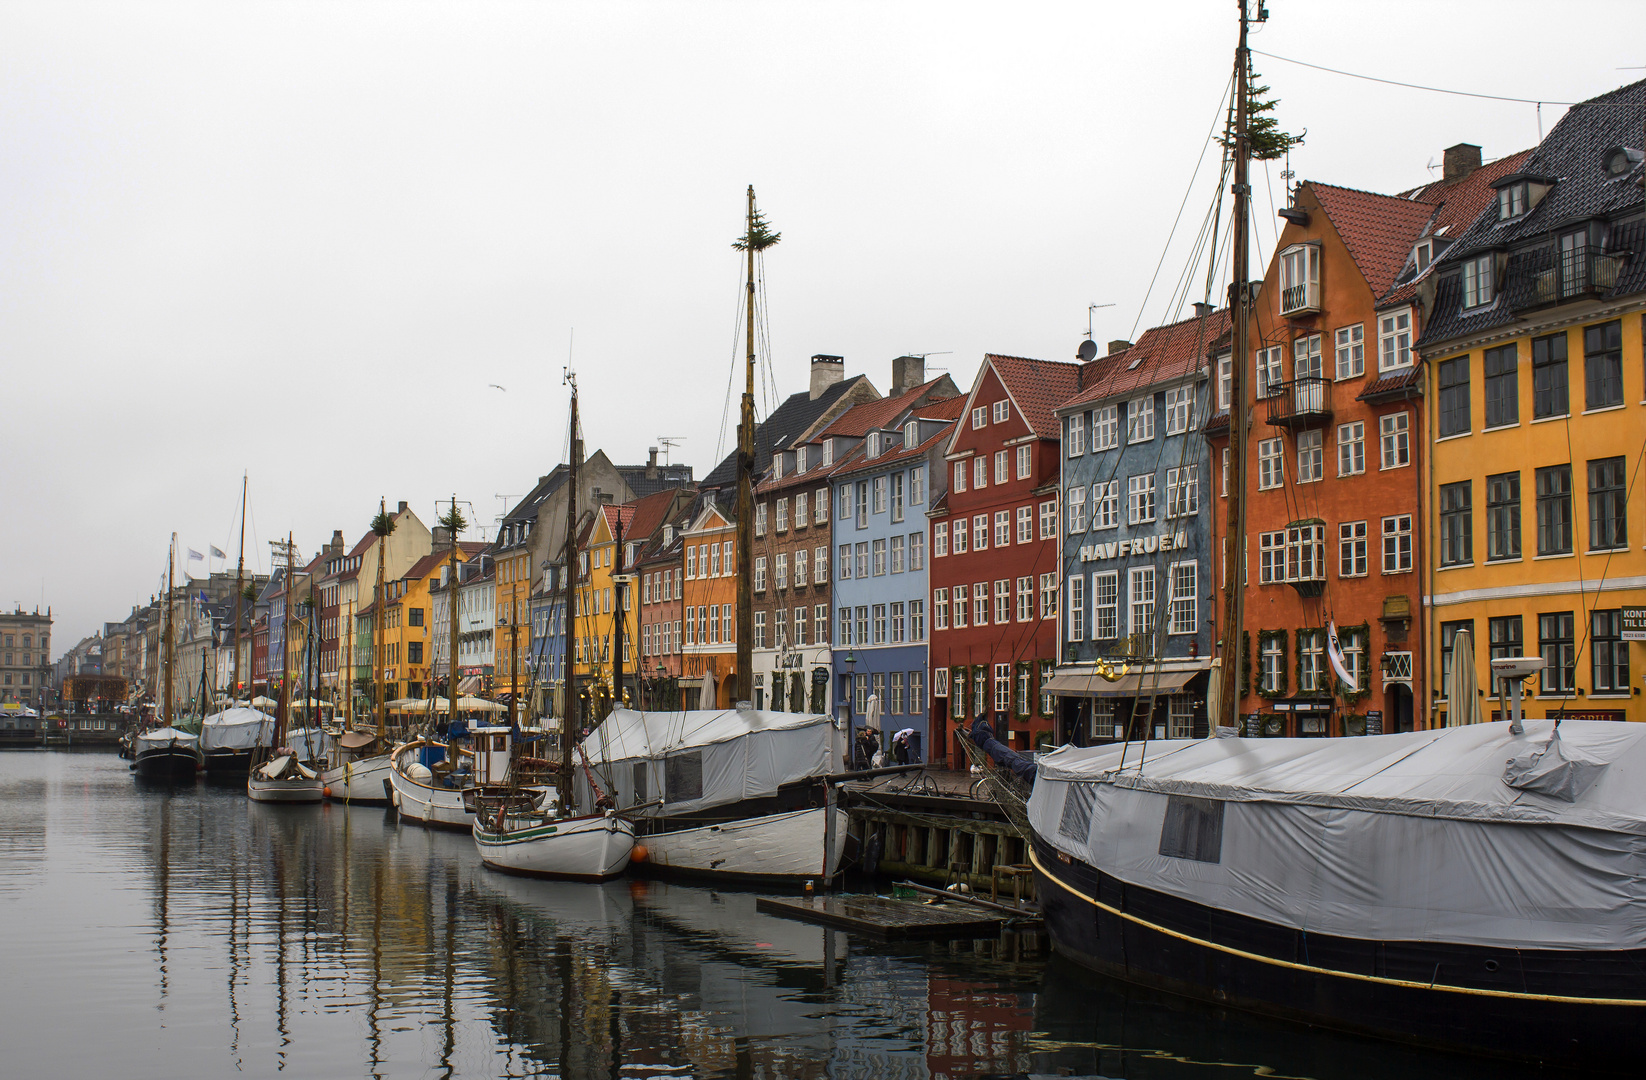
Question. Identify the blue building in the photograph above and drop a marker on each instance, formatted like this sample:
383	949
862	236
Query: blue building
1139	588
882	489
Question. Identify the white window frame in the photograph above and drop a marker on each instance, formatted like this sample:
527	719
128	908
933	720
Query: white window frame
1025	524
1350	351
980	416
1074	440
1140	601
1351	448
1106	605
960	475
1394	340
1271	557
1002	468
1184	612
1106	427
1076	619
1478	286
1074	502
1106	505
1299	278
980	472
1140	498
940	540
1140	419
1002	411
1025	461
1048	520
1269	367
1182	492
1311	456
1394	440
1179	409
1352	549
1271	464
1397	544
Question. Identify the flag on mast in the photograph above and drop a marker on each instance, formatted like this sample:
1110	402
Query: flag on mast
195	556
217	552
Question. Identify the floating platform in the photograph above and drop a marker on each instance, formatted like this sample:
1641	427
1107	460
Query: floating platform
884	918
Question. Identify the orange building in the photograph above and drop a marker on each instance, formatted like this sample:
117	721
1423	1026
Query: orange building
1334	459
709	607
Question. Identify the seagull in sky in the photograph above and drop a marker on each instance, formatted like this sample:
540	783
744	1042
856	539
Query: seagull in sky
492	385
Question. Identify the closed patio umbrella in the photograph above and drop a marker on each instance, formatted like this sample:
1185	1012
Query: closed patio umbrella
1462	702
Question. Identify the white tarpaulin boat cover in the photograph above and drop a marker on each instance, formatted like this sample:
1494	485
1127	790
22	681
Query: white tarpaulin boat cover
1408	837
236	729
705	758
166	736
310	744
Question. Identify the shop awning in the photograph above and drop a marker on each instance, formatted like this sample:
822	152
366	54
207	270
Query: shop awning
1133	684
470	685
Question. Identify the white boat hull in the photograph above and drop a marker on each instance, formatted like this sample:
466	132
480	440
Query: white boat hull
582	849
359	781
427	805
777	847
300	789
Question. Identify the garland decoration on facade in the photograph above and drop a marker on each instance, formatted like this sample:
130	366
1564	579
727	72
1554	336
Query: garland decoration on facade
1360	633
1263	638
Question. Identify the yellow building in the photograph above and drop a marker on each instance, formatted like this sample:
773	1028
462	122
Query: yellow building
597	600
1533	357
406	648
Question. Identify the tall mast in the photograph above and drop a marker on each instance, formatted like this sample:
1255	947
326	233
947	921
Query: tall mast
239	587
282	720
451	619
617	609
569	708
745	491
166	620
1234	537
377	628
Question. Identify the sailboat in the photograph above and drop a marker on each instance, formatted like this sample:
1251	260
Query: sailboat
360	761
167	752
510	831
1407	885
281	776
231	738
737	794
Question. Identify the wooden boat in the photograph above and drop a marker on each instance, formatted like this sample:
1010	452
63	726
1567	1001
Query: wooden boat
280	776
232	738
166	753
425	787
359	772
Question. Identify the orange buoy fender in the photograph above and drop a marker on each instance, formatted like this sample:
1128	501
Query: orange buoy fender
639	853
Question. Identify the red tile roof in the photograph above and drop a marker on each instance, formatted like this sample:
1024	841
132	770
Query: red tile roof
649	514
1165	353
1037	387
1378	230
949	408
868	416
1460	201
468	549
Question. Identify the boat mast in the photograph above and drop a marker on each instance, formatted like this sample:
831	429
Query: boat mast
451	619
617	610
166	621
745	489
1234	537
377	627
281	720
569	707
239	586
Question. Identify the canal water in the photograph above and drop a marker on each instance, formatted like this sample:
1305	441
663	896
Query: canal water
182	933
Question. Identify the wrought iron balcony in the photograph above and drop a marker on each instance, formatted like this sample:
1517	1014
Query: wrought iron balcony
1575	274
1300	299
1301	403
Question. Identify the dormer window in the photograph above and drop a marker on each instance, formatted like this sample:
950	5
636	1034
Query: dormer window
1300	279
1620	161
800	460
1511	201
911	434
828	451
1478	286
1423	254
777	466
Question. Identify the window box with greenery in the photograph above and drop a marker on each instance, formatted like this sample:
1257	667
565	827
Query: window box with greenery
1355	641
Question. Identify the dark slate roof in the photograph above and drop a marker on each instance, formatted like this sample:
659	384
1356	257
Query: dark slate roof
1572	156
1460	202
785	423
668	477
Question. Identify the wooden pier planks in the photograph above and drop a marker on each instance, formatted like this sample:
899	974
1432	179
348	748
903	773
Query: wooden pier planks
884	918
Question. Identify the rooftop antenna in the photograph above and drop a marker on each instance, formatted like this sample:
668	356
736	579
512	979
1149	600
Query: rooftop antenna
507	502
669	442
1088	348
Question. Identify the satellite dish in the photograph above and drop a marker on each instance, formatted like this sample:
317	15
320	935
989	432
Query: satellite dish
1087	350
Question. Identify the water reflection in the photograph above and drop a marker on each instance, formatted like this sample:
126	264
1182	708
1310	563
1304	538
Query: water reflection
208	935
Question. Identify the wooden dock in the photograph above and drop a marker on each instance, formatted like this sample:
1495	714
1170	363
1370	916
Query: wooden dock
884	918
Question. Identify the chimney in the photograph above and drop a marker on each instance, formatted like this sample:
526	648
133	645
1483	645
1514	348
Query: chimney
336	545
651	463
1202	309
826	371
908	372
1460	161
403	507
442	538
1119	345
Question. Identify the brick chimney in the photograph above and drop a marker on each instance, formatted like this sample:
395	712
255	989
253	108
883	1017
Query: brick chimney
651	463
403	507
442	538
1460	161
826	371
1119	345
908	372
336	545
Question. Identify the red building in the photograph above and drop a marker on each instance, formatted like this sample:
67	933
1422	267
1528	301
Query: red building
994	558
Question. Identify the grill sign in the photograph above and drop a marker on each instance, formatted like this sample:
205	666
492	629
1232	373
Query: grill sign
1634	624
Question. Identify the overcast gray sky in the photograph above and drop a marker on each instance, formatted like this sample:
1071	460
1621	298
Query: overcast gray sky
299	240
